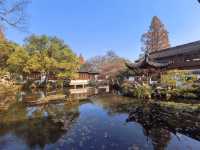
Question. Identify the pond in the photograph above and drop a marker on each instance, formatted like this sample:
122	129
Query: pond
100	123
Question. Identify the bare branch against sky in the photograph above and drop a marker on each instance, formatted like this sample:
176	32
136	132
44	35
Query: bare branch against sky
13	14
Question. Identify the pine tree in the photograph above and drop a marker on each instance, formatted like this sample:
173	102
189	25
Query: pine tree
156	38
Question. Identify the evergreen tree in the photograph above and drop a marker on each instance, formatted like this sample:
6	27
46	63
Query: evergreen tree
156	38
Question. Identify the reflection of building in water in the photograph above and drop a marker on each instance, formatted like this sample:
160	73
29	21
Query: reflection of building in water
82	93
37	98
81	87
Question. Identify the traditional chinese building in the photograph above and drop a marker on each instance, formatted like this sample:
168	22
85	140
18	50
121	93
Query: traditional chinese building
146	68
186	56
183	57
82	75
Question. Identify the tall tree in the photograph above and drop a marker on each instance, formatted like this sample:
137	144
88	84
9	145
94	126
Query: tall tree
82	60
12	13
51	54
156	38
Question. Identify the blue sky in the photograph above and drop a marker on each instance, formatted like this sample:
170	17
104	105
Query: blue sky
92	27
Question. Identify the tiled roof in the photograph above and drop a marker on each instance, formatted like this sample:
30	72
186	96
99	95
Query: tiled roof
86	70
177	50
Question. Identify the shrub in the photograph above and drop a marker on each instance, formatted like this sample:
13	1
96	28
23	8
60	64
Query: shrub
59	83
143	91
139	91
3	72
127	89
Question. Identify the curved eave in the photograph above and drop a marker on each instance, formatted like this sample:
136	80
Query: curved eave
146	63
157	64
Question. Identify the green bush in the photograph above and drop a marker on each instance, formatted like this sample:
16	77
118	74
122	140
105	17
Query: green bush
3	72
187	93
143	91
127	89
139	91
59	83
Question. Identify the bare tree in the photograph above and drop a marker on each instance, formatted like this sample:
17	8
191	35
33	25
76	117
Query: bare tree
12	13
156	38
109	65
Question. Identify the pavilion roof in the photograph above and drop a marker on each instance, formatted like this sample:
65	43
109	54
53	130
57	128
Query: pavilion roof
87	70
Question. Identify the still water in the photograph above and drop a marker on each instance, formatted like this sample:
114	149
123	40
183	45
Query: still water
100	123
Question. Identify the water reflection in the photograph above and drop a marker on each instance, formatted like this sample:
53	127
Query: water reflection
37	126
153	116
155	128
39	97
103	122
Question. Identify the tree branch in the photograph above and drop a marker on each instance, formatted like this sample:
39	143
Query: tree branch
13	14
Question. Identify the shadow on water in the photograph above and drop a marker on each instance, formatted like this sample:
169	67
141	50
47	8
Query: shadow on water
102	122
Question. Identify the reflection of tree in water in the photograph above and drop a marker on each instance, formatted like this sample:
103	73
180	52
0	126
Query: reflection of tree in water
160	138
157	120
143	113
153	127
6	100
37	129
158	124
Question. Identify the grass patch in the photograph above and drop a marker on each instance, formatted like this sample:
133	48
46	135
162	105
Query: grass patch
180	106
